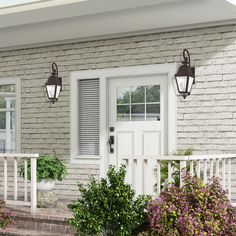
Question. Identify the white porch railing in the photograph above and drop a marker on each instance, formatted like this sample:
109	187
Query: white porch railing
9	158
144	172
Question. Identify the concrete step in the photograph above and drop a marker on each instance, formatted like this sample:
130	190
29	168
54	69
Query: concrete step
47	221
27	232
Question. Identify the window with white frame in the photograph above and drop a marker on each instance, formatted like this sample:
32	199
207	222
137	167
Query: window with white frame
8	110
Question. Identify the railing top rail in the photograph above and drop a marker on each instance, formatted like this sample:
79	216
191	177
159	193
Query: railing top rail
19	155
183	158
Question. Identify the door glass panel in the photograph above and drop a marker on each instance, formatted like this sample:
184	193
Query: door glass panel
138	103
137	112
138	94
153	112
153	93
123	95
123	112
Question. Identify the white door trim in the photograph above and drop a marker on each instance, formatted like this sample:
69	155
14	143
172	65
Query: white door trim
104	75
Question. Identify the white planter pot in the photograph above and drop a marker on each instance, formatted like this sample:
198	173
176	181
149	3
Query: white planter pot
45	185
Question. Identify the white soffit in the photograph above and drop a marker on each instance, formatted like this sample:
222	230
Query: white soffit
41	22
232	2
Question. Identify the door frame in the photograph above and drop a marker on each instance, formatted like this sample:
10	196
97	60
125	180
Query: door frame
104	75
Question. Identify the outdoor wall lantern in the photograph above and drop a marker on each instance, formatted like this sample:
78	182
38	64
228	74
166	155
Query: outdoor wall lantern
53	85
185	77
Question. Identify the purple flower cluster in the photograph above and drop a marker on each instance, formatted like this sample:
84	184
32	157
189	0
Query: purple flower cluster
193	210
5	216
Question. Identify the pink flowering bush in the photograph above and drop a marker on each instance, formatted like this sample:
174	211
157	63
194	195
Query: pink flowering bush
193	210
5	216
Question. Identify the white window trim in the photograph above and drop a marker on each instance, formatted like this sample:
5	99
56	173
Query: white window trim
104	75
17	83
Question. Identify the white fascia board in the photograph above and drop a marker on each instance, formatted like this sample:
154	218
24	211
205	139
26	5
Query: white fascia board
49	10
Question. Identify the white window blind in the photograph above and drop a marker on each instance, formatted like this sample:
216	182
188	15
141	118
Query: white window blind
89	117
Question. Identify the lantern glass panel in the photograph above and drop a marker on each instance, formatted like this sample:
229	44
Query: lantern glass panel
182	82
51	91
58	91
190	84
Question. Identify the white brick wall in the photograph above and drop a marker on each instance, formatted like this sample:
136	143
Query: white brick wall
206	119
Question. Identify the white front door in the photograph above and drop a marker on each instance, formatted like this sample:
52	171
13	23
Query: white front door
137	117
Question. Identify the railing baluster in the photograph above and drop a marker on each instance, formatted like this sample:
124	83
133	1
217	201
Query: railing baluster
182	168
211	168
145	183
158	177
223	173
218	167
205	171
15	179
134	180
151	178
127	176
191	168
139	176
198	168
169	172
5	178
33	185
229	178
26	179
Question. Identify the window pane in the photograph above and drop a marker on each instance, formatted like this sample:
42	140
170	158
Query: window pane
2	102
2	120
123	95
89	117
153	93
138	103
7	118
153	112
7	96
10	88
123	112
137	112
137	95
7	131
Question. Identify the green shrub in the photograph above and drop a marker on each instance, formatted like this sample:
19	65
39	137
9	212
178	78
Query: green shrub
194	209
48	168
109	207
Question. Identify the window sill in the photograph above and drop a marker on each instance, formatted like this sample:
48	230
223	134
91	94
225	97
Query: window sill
90	160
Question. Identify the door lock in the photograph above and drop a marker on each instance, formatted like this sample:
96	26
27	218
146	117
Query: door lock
111	141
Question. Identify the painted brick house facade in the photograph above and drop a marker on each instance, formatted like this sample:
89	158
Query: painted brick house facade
205	120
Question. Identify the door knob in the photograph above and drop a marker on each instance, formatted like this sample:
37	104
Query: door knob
111	142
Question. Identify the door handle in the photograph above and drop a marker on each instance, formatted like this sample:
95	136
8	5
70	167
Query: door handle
111	141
